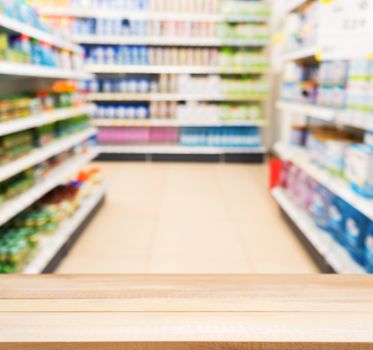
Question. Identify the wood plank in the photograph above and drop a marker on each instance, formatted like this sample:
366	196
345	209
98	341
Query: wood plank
218	326
186	346
187	293
186	312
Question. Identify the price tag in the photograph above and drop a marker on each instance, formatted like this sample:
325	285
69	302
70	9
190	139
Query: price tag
345	29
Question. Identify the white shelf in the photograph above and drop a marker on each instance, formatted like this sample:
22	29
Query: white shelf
176	149
355	119
293	5
137	15
164	41
198	122
50	246
336	255
168	97
41	154
44	118
335	184
149	69
56	177
15	26
30	70
322	113
308	52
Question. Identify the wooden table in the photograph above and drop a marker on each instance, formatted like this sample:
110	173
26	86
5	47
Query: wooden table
186	312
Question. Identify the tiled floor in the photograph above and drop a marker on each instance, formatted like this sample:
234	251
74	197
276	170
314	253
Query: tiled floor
187	218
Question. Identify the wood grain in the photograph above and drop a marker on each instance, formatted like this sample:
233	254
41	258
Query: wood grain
186	312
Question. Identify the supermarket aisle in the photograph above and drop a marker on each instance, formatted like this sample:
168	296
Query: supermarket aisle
187	218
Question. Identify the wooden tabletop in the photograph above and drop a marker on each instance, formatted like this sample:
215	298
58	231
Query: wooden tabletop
186	312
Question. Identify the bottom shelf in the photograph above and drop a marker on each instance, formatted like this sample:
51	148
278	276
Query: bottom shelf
182	153
334	255
53	249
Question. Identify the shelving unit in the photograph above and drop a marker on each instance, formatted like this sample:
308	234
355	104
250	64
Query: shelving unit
335	184
54	248
19	76
56	177
136	15
321	245
182	153
20	70
171	97
175	123
14	26
34	121
41	154
329	252
302	54
149	69
355	119
164	41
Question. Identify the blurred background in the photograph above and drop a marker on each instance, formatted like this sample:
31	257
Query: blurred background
186	136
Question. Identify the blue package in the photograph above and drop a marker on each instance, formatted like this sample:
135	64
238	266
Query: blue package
359	169
320	207
369	249
338	207
355	230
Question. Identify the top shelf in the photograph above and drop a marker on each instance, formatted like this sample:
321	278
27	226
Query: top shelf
306	53
293	5
137	15
15	26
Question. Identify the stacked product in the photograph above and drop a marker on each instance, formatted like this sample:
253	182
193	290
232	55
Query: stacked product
23	12
256	10
225	57
343	222
16	145
20	183
44	133
212	85
19	239
192	111
339	152
61	95
19	47
335	84
196	137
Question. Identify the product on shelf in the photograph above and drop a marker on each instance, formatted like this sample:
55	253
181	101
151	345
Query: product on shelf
254	9
334	84
132	135
220	137
345	224
191	111
22	49
202	137
15	145
19	239
212	85
301	28
17	184
369	249
61	95
340	152
359	168
23	12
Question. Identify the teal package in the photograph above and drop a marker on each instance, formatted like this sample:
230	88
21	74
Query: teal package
369	249
356	229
